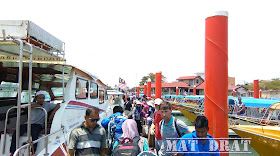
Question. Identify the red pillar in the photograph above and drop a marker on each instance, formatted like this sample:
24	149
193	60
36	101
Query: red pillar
138	91
158	86
233	93
256	89
177	91
216	74
145	89
149	84
260	93
194	91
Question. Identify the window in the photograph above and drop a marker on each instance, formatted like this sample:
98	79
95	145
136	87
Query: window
8	89
101	96
81	89
93	90
57	91
197	81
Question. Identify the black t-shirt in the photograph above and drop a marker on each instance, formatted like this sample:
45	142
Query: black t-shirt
128	106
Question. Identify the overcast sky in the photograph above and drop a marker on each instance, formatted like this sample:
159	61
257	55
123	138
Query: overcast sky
129	39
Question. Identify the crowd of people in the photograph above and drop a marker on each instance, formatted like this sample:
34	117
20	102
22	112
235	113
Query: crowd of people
127	129
125	132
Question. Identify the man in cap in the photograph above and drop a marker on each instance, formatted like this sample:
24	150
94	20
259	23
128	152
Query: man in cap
37	119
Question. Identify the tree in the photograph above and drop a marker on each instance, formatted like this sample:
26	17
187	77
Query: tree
273	84
152	76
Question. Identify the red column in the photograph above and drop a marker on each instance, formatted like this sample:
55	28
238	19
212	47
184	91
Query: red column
145	89
138	91
256	89
260	93
216	74
158	86
194	91
233	93
149	88
177	91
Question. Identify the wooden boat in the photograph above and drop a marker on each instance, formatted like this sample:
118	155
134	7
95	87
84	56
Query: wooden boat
265	139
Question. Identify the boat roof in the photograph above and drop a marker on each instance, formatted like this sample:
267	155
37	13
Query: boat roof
114	92
275	106
46	47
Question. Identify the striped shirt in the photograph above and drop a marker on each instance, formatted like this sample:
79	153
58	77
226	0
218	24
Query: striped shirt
86	142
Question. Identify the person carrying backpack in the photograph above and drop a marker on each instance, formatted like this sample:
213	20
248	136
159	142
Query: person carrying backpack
113	125
127	107
130	143
169	126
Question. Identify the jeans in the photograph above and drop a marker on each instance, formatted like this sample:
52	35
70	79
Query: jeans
35	130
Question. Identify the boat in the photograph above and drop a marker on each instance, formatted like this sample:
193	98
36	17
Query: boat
265	139
31	59
256	109
115	98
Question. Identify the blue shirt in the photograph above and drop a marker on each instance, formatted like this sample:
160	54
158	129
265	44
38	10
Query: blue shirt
194	145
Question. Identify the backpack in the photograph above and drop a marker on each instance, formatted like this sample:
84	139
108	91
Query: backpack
176	127
112	131
129	148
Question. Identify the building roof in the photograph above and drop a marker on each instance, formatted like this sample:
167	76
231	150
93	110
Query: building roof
233	87
201	86
171	85
187	77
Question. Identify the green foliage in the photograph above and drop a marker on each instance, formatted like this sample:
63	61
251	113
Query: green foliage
109	88
152	76
274	84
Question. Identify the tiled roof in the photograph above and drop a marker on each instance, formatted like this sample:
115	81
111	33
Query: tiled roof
201	86
233	87
187	77
171	85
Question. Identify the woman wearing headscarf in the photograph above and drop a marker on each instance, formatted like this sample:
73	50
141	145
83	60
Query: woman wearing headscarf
129	128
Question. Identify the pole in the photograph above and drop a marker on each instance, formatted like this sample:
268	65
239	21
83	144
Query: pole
194	90
256	89
216	74
149	84
158	85
145	89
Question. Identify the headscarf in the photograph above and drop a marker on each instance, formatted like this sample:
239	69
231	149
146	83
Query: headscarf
129	128
145	111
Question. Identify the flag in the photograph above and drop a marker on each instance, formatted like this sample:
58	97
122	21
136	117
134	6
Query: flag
122	83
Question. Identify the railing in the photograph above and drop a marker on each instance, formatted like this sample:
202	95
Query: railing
17	130
36	141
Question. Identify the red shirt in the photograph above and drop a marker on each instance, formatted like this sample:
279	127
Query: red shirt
157	119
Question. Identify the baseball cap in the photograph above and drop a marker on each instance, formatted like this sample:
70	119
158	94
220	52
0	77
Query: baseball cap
158	101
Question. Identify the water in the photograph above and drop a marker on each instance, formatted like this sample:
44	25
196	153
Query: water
254	153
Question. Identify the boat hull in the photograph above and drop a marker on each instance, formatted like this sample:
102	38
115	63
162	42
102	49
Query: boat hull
265	139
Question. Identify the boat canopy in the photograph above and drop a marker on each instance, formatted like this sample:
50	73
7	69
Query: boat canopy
275	106
46	47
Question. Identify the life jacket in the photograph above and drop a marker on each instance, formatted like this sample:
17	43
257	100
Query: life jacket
129	148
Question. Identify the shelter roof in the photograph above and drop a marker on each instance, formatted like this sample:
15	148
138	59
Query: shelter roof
171	85
187	77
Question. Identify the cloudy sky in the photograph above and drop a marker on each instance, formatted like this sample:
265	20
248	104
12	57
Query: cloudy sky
129	39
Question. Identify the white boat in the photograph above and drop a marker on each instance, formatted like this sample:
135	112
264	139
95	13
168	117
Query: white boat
26	48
